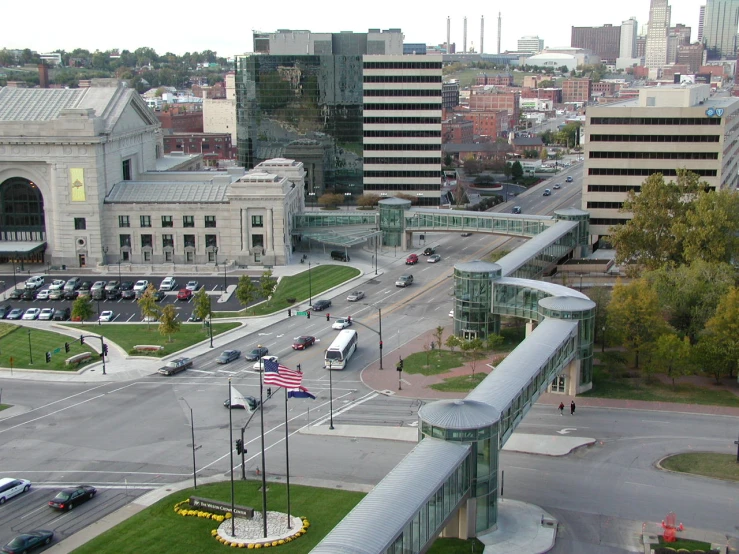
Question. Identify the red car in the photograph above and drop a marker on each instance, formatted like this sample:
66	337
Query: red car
412	259
184	294
301	343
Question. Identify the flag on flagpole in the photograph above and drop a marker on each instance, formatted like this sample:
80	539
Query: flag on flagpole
278	374
300	392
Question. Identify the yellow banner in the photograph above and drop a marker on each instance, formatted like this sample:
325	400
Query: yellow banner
77	178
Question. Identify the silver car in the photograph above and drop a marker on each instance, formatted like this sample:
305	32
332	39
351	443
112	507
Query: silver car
46	313
355	296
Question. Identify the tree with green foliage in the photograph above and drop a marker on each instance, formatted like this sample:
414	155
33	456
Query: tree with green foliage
516	170
201	305
448	160
452	342
546	84
601	296
719	343
672	355
168	322
493	342
547	137
246	290
82	309
634	316
710	230
439	336
508	170
474	349
148	305
267	284
544	154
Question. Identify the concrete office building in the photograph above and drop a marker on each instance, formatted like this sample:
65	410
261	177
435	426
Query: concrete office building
532	44
701	22
655	55
627	45
691	56
285	42
665	129
83	181
604	41
219	115
720	29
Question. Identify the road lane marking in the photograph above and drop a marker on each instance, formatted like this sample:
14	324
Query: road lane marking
51	413
57	401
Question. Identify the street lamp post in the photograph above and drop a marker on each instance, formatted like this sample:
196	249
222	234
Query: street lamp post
347	197
312	198
603	339
105	255
192	433
215	251
210	320
377	238
330	395
30	350
310	287
15	282
225	285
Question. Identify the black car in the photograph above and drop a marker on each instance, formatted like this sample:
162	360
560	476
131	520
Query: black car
128	294
15	294
429	250
114	294
251	403
29	294
175	366
158	295
126	285
28	541
73	496
71	294
86	285
320	305
466	234
62	314
257	353
5	310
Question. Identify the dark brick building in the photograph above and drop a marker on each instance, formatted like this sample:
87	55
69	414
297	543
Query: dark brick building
604	41
178	119
213	146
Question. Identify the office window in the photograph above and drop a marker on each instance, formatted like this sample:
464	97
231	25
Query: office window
210	221
145	220
124	240
257	221
80	224
189	241
126	170
167	221
147	241
167	240
124	221
188	221
211	240
257	241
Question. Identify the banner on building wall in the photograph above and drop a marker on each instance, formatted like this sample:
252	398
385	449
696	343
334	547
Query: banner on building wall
77	178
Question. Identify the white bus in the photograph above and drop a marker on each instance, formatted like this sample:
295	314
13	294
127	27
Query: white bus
341	349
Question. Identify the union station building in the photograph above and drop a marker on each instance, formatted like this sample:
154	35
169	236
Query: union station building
84	181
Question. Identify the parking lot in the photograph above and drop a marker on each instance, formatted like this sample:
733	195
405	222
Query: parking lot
125	310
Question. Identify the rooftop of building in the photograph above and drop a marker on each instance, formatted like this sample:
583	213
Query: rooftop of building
149	192
669	96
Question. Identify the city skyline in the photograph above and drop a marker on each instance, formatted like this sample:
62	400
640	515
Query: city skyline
537	18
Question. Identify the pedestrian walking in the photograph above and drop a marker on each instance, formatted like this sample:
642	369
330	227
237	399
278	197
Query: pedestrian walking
561	408
572	408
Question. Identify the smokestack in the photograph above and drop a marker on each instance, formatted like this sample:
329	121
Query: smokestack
464	36
498	32
482	34
43	76
448	35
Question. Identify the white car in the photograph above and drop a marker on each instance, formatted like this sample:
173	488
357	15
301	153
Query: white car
259	366
150	319
192	286
356	295
35	282
46	314
168	283
97	285
31	313
106	315
341	323
57	284
10	487
141	285
43	294
451	313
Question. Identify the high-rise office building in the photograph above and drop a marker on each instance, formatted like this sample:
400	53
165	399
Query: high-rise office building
530	44
659	24
604	41
701	20
690	55
627	47
720	28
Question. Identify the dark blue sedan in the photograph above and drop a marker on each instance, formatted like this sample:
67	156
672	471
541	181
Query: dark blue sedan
28	541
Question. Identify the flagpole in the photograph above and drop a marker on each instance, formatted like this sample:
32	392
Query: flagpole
231	453
264	469
287	461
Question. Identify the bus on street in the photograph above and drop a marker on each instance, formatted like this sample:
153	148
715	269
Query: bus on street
341	349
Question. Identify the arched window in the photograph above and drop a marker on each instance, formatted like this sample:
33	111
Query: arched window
21	210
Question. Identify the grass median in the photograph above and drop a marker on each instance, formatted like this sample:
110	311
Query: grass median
298	288
22	345
127	336
707	464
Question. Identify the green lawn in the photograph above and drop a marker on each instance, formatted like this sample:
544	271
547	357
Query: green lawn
14	343
127	336
687	544
608	385
4	407
439	361
456	546
299	287
150	530
708	464
463	383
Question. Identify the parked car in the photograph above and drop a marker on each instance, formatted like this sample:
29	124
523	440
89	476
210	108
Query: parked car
98	285
16	294
86	285
84	293
194	319
557	186
57	284
256	353
412	259
429	250
303	342
228	356
141	285
114	294
43	294
10	487
98	294
112	285
56	294
259	365
16	313
433	259
107	315
71	294
251	404
355	296
569	179
516	210
5	310
175	366
21	544
128	294
158	295
72	284
72	496
320	305
62	314
341	323
168	283
547	192
466	234
29	294
126	285
31	314
404	281
35	282
192	286
46	314
184	294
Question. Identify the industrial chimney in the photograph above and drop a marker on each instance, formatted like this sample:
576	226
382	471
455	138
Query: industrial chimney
498	32
464	36
482	34
43	76
448	35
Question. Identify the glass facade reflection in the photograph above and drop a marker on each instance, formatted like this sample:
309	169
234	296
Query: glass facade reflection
473	286
392	211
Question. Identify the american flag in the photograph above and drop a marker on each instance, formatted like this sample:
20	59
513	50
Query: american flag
278	374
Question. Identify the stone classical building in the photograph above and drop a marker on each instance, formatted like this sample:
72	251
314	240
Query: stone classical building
83	180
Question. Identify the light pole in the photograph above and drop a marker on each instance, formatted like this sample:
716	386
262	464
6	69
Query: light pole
603	340
225	286
377	238
215	251
30	350
105	255
310	287
330	394
231	454
192	432
312	199
15	282
210	320
347	198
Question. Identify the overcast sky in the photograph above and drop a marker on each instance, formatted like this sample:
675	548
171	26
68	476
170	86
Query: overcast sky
226	27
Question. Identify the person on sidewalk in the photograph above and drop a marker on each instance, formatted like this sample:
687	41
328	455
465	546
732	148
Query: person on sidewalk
561	408
572	408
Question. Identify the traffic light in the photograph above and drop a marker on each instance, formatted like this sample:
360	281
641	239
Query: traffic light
328	317
66	347
399	365
239	446
82	339
308	313
105	349
48	357
380	345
